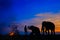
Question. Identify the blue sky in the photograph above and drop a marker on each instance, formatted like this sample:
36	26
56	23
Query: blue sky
25	9
21	10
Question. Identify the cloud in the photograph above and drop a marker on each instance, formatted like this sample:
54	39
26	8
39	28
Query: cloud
54	17
40	17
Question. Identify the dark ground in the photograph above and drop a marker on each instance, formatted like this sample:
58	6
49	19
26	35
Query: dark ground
30	37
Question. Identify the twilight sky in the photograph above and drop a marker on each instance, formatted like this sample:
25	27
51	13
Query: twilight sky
30	12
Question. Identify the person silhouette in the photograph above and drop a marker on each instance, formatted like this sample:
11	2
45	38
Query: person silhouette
26	33
25	29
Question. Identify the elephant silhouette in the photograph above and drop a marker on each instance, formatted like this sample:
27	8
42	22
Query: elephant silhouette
35	34
47	27
35	30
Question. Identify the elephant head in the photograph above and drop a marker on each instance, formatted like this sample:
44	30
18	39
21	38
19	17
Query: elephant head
35	30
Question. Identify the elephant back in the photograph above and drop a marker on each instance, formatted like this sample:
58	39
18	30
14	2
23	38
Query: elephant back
48	25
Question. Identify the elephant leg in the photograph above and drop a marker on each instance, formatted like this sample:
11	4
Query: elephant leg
51	32
43	32
48	32
54	32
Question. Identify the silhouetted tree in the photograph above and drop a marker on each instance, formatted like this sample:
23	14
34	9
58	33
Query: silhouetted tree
46	26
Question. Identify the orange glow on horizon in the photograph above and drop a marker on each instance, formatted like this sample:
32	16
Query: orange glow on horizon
57	29
11	33
57	25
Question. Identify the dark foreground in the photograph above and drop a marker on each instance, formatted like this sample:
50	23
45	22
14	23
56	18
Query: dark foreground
30	37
